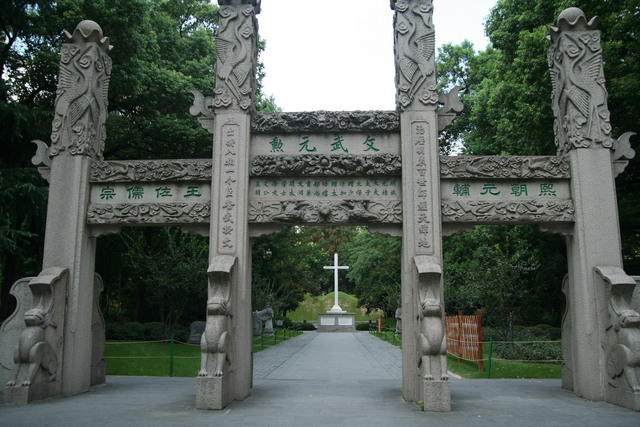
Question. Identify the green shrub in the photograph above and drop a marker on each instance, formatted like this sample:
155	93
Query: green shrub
150	331
528	343
304	326
363	326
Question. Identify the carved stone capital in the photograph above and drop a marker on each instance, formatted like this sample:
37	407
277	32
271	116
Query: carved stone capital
414	36
237	49
81	104
579	98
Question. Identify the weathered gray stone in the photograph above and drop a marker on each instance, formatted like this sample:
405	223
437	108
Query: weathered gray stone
337	322
567	350
437	396
77	139
423	343
195	332
11	330
212	392
623	339
39	351
262	320
98	363
229	300
605	342
398	316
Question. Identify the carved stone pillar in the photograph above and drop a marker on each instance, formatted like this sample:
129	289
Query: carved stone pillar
77	138
583	134
226	345
424	368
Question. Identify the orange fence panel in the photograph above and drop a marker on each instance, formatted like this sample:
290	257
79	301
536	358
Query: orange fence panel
465	337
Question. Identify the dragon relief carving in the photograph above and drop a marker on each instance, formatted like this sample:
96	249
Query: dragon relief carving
236	45
509	211
148	213
579	98
415	53
151	170
81	103
345	211
504	167
326	165
326	121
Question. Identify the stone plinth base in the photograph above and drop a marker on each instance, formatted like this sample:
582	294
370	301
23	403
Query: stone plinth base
626	399
337	322
213	392
437	396
19	395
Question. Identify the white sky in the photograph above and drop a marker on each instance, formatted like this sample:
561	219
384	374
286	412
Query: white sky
338	54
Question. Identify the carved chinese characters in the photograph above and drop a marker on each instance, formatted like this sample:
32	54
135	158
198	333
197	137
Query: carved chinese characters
228	198
415	54
81	104
423	197
236	46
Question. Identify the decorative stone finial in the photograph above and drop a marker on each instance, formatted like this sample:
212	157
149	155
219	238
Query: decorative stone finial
88	31
573	19
254	3
83	82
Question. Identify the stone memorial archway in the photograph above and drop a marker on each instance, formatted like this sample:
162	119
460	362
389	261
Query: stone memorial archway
379	168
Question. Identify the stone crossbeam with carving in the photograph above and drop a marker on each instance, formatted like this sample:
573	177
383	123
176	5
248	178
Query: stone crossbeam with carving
382	169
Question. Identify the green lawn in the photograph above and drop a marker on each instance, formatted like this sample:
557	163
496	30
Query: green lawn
152	358
499	368
312	306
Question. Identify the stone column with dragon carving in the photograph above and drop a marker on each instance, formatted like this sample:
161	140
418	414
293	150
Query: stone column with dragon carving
226	369
424	370
77	139
604	341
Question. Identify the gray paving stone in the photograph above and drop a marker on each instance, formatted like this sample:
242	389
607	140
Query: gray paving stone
346	379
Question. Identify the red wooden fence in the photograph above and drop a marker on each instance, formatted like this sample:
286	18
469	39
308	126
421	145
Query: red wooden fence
464	337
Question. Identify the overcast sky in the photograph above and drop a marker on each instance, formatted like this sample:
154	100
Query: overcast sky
338	54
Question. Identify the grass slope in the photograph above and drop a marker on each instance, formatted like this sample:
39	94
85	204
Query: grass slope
312	306
152	358
499	368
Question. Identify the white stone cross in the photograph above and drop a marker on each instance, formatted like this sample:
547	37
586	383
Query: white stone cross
335	267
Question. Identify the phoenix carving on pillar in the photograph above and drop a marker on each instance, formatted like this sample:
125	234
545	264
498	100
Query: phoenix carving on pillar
415	52
577	76
236	50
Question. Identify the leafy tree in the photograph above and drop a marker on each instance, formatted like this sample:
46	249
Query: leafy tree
162	49
374	268
508	112
286	266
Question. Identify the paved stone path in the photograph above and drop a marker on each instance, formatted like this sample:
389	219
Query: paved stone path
343	379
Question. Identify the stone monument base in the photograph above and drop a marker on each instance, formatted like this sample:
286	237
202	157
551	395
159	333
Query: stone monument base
21	395
626	399
437	396
213	392
337	322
